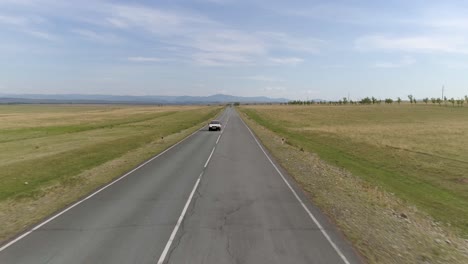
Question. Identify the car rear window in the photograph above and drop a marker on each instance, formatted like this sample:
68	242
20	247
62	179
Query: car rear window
215	122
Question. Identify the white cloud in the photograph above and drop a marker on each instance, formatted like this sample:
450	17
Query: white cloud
27	25
422	44
208	42
457	23
455	65
275	88
42	35
13	20
95	36
225	47
215	1
19	2
262	78
332	12
278	40
154	20
229	42
187	35
204	41
117	23
145	59
220	59
333	66
406	61
286	60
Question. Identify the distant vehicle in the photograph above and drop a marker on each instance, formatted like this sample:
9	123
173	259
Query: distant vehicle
214	125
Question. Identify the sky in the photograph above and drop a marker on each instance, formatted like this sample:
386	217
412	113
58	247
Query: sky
291	49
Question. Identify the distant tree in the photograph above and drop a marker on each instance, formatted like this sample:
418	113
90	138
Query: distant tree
410	97
445	100
389	101
366	100
426	100
433	100
466	98
399	100
236	104
345	100
439	101
452	101
374	100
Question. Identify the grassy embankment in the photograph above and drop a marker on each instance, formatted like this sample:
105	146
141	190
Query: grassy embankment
50	155
418	153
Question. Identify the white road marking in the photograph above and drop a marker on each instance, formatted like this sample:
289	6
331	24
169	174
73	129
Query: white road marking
91	195
325	234
182	215
227	121
179	222
208	160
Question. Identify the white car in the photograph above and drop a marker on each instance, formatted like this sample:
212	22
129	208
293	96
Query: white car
214	125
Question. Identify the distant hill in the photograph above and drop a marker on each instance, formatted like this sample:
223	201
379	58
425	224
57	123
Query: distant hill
124	99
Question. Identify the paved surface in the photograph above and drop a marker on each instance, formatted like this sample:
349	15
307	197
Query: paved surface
213	198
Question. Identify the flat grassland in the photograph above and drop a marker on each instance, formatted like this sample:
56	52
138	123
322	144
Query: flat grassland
50	155
393	177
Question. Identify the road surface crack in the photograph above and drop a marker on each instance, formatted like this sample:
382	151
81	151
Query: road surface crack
234	211
182	230
228	237
229	250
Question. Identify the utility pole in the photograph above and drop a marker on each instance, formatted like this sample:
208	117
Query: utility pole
443	88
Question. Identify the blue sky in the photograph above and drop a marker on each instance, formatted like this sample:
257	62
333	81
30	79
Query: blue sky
293	49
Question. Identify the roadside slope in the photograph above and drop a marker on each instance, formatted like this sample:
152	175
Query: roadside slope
382	227
70	164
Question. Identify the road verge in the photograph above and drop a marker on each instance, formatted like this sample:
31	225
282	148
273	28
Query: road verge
18	215
382	228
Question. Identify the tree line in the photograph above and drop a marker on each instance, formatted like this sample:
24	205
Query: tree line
372	100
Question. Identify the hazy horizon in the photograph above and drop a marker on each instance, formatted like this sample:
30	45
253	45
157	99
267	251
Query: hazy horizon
294	49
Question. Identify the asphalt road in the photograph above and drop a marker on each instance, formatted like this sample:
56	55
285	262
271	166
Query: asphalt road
215	197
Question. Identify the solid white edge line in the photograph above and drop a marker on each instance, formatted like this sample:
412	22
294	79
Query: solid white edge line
93	194
218	139
325	234
179	222
208	160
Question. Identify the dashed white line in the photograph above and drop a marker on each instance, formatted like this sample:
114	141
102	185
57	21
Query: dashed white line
179	222
108	185
325	234
182	215
91	195
208	160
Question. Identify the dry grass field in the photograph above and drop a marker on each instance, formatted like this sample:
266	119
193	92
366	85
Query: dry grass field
394	178
50	155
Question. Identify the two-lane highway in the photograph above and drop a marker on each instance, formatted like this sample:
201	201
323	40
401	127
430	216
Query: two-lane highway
215	197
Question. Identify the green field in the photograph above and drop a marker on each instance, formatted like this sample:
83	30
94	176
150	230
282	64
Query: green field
417	152
57	153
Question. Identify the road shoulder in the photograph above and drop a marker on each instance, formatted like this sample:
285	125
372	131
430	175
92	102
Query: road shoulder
382	228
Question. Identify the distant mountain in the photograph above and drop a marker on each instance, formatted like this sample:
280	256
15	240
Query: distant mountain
89	99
